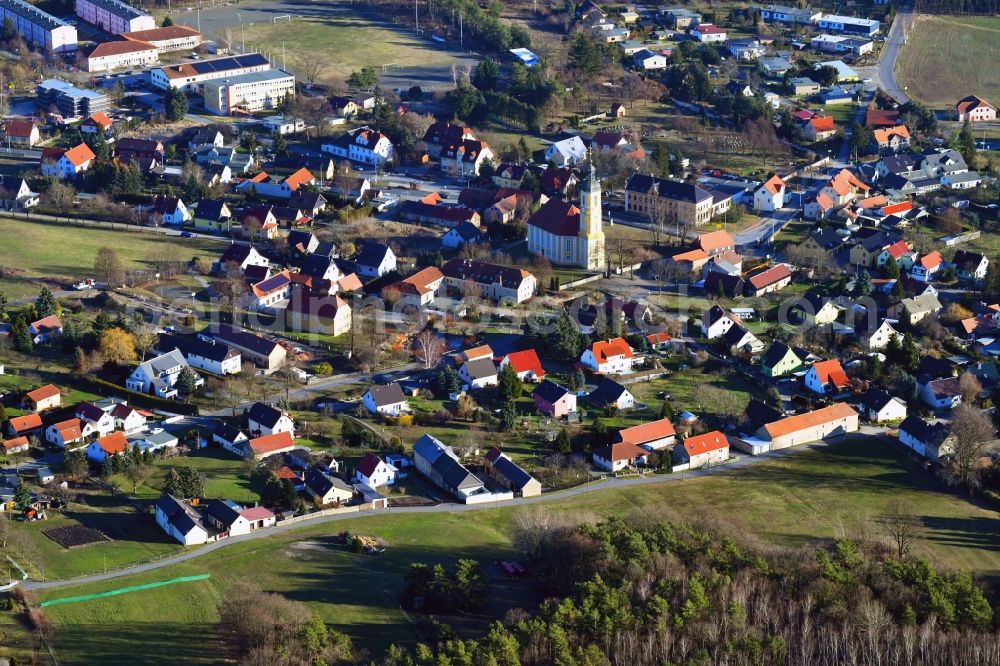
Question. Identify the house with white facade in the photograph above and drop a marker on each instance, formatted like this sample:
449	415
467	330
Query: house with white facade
158	376
479	373
67	164
364	145
95	420
181	521
930	440
705	450
374	472
566	152
387	400
263	419
611	357
878	406
716	322
205	354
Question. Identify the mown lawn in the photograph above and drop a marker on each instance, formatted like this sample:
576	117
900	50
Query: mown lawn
795	501
50	249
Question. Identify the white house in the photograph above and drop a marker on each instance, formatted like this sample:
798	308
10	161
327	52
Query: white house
387	400
375	260
66	432
128	419
67	164
231	439
927	266
209	355
770	196
326	489
649	61
942	394
172	210
263	419
708	33
880	407
826	377
374	472
711	448
611	393
479	373
566	152
180	520
94	419
233	520
716	322
621	455
651	436
612	357
363	145
158	376
926	439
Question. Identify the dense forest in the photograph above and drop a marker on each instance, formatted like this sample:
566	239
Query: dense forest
647	590
957	6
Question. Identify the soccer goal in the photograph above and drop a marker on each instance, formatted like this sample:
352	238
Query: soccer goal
286	18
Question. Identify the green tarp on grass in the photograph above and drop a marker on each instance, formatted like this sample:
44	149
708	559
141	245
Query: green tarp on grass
124	590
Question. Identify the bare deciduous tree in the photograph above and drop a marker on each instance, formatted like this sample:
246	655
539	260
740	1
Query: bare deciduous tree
901	525
973	430
428	348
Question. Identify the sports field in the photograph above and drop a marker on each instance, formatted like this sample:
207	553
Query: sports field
794	501
949	57
55	250
344	36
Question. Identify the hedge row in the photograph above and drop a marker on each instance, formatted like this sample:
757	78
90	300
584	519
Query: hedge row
137	399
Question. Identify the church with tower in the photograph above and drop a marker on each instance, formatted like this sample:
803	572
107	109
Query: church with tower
570	235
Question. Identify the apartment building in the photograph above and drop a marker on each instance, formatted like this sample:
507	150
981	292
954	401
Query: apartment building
114	16
170	38
38	27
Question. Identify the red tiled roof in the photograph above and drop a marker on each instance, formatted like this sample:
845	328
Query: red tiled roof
791	424
70	429
658	338
971	102
621	451
43	393
931	261
557	217
286	473
647	432
883	135
898	249
710	441
100	118
271	443
824	200
113	444
830	372
715	240
161	34
774	184
78	155
106	49
603	350
525	361
770	276
301	177
256	513
26	422
823	123
17	442
18	128
900	207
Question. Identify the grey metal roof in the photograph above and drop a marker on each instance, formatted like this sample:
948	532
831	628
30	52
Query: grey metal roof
389	394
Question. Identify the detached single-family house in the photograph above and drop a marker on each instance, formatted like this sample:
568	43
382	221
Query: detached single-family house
66	432
479	373
25	425
773	279
128	419
826	377
213	215
925	267
158	376
705	450
878	406
554	400
926	439
566	152
916	308
739	340
770	196
708	33
230	438
42	398
611	393
975	109
15	194
970	265
239	256
621	455
67	164
171	210
874	334
374	472
45	329
611	357
716	322
526	364
263	419
388	400
375	260
325	489
95	420
779	360
942	394
181	521
109	445
15	445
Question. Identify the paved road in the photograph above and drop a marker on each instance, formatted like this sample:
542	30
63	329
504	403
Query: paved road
608	484
766	229
890	53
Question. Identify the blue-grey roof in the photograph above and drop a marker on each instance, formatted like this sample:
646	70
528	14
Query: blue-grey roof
429	448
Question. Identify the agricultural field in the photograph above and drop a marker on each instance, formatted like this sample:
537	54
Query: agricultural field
39	249
938	76
812	495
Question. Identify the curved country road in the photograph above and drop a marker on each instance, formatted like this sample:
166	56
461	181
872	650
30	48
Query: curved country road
890	53
739	463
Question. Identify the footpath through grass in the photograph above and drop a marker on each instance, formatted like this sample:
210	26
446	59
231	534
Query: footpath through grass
794	501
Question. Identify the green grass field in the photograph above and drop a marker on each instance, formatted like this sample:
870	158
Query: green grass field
345	40
938	76
794	502
49	249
